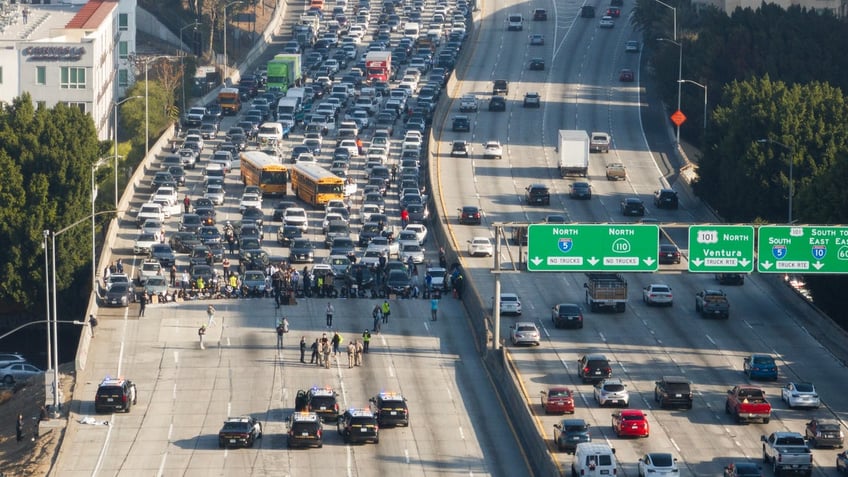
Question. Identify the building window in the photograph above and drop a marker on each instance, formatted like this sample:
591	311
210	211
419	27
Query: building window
41	75
72	78
123	78
123	22
123	50
79	105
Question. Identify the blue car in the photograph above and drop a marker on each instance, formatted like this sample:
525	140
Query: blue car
760	366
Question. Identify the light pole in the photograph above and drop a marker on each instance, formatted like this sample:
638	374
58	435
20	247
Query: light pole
46	246
791	151
94	168
679	77
674	14
115	105
704	86
182	65
227	65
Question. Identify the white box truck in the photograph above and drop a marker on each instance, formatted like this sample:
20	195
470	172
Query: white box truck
573	152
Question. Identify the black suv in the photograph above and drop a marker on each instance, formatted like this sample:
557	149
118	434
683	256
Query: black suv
239	431
665	199
567	315
537	194
391	409
673	391
730	278
593	368
632	206
461	124
115	395
497	103
321	401
359	425
305	430
459	149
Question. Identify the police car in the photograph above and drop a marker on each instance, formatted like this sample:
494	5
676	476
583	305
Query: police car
359	425
391	409
115	394
305	430
322	401
241	431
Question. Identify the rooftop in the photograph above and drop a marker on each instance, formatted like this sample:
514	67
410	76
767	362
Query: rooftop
37	24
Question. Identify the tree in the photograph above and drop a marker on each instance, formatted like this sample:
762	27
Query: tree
46	155
160	100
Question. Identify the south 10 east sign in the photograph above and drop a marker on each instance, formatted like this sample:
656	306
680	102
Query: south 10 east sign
802	249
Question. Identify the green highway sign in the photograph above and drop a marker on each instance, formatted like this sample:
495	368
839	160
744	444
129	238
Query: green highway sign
592	248
721	248
802	249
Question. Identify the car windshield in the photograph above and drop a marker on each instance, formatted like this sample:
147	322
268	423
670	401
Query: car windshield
613	388
677	388
508	298
596	363
804	387
237	426
575	427
308	427
318	402
601	459
526	328
660	289
558	393
764	360
632	417
662	460
568	310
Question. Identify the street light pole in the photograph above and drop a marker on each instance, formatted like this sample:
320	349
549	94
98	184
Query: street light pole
94	168
679	77
115	105
226	64
182	65
674	14
704	86
791	151
46	245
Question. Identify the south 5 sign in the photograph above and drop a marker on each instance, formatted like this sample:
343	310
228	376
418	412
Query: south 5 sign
802	249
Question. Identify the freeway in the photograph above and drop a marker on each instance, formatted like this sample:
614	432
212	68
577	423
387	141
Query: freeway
458	427
581	90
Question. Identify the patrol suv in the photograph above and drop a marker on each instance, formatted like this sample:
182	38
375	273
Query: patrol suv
305	430
322	401
115	394
359	425
391	409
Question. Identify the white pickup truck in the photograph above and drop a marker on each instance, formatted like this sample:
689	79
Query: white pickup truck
150	211
787	451
600	142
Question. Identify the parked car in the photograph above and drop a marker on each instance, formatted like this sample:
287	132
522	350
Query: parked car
15	372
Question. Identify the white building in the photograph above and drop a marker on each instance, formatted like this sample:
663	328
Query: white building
74	52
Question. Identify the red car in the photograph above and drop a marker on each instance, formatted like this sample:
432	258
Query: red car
614	12
631	422
558	399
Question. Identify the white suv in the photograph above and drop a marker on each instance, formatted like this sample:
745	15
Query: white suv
296	216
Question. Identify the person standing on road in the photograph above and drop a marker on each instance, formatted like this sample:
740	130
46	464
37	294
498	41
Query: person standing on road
366	340
173	275
337	341
330	311
316	358
19	427
210	312
92	323
142	304
282	329
378	317
187	204
351	354
200	333
327	350
359	350
387	310
225	263
302	349
434	309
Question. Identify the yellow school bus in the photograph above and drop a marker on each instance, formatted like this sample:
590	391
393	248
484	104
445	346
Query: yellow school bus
260	169
315	185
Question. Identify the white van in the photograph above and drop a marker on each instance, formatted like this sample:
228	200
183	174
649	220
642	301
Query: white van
288	106
594	460
411	29
270	133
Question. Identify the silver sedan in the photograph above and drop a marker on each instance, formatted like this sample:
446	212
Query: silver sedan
800	395
525	333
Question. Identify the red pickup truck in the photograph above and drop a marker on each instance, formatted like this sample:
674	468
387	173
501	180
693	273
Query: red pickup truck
748	403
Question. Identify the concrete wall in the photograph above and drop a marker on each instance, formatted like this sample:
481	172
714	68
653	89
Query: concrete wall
147	23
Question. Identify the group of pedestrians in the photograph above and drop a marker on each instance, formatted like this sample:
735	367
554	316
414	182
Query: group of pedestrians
325	348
